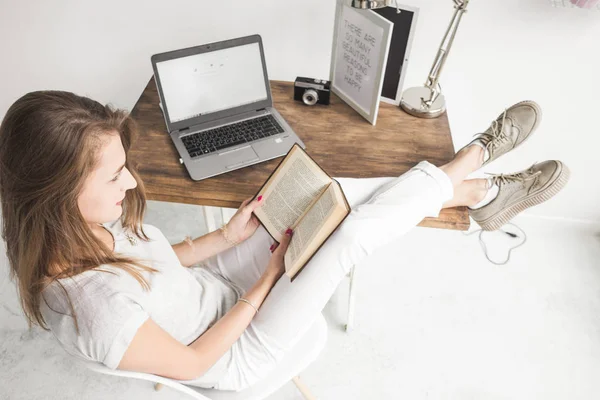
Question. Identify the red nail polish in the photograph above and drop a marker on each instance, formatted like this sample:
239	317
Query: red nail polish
259	198
271	248
288	232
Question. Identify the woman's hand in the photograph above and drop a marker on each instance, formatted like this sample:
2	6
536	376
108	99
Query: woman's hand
276	267
243	224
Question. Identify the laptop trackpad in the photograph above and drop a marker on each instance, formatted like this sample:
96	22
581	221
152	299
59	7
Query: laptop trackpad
235	158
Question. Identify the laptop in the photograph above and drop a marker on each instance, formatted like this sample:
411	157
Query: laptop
216	101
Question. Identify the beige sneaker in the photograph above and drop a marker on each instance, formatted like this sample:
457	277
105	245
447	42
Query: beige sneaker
510	129
520	191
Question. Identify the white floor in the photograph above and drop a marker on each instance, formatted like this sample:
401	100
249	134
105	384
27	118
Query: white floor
434	320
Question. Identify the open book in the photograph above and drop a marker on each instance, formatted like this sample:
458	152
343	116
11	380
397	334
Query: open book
300	195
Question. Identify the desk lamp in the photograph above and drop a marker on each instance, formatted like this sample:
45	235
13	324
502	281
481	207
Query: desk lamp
425	101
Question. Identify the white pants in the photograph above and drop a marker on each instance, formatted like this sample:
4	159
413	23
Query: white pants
383	209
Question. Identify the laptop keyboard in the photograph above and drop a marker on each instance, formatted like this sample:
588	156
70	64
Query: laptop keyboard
230	135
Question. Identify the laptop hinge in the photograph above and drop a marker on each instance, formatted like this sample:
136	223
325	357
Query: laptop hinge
261	109
183	130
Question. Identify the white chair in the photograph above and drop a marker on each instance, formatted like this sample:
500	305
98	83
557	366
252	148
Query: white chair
211	225
301	356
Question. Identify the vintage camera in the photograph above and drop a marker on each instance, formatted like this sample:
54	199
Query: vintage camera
312	91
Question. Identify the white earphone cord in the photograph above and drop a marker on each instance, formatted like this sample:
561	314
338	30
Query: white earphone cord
484	247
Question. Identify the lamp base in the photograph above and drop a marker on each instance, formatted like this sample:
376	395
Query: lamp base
412	102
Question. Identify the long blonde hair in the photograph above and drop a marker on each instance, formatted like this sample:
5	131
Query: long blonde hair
49	145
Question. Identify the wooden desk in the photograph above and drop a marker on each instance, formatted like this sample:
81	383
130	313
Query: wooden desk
339	140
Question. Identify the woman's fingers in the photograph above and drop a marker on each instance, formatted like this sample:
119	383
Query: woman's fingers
285	240
245	202
253	205
283	245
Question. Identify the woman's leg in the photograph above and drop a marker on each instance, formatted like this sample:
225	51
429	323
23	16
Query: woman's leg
246	262
468	193
389	211
382	210
469	159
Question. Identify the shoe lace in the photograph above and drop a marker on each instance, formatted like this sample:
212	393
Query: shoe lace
496	137
522	177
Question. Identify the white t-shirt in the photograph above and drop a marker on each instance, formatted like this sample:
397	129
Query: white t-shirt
110	308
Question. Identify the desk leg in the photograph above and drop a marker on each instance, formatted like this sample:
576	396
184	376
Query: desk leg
209	218
223	220
227	213
351	300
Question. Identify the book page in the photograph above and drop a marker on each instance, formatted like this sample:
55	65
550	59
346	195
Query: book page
333	208
292	190
306	231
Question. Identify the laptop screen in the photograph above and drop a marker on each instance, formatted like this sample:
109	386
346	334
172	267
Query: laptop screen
214	81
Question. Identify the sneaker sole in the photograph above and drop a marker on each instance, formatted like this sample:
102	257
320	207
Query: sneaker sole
504	216
538	110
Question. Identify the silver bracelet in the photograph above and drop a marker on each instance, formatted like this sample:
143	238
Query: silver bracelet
251	305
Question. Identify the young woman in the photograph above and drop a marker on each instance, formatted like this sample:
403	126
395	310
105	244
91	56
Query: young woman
212	312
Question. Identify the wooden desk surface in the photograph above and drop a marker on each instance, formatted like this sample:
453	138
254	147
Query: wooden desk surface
342	142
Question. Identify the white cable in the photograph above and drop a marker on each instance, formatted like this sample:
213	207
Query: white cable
484	247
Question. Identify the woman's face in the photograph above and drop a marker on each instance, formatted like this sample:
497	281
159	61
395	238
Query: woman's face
106	185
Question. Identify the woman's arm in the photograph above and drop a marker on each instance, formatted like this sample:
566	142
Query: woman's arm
154	351
204	247
241	226
215	342
219	338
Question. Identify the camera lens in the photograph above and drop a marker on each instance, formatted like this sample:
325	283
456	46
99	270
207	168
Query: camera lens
310	97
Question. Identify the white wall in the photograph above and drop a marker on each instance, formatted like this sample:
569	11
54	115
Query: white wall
505	51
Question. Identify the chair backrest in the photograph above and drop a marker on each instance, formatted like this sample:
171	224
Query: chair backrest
304	353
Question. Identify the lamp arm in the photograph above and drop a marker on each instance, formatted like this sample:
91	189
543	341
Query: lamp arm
442	54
